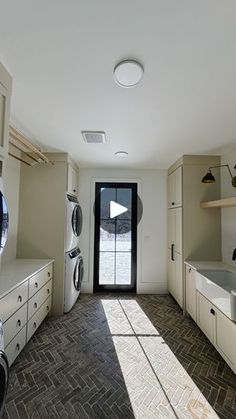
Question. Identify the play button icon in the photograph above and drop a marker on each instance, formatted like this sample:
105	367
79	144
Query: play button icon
116	209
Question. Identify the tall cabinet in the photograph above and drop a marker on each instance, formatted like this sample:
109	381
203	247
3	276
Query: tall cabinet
192	232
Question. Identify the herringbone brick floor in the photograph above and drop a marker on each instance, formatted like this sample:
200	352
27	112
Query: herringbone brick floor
121	357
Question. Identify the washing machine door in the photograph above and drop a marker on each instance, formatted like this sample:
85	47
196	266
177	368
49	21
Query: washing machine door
78	273
4	222
76	220
4	378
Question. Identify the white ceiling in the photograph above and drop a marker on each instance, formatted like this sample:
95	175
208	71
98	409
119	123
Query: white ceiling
61	54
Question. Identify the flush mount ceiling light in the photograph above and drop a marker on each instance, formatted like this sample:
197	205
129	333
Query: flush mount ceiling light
128	73
121	154
209	178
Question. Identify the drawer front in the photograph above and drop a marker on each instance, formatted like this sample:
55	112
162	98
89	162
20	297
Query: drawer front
39	280
38	317
13	325
38	299
13	301
15	346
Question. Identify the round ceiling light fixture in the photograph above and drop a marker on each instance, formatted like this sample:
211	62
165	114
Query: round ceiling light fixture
121	154
128	73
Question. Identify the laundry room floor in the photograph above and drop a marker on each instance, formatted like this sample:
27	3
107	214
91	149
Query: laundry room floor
121	357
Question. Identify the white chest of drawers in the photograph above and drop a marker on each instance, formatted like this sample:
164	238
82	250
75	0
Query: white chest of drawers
25	301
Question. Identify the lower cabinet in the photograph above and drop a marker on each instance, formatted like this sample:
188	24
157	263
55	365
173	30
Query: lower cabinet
24	309
175	277
15	346
219	329
205	316
191	293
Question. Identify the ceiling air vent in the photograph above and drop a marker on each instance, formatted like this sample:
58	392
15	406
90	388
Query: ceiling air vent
94	137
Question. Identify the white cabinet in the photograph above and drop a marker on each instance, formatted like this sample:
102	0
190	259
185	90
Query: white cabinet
225	337
205	316
175	188
219	329
20	313
72	180
175	277
5	94
191	293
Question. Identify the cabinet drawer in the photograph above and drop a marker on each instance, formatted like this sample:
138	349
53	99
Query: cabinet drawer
225	337
14	324
38	317
39	280
15	346
13	301
38	299
205	317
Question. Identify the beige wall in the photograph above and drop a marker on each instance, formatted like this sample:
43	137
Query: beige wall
228	215
11	187
152	236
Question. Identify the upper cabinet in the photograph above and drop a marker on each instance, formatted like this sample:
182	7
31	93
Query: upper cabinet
175	188
72	180
5	95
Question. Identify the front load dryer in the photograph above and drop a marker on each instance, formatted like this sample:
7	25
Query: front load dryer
74	271
4	372
73	222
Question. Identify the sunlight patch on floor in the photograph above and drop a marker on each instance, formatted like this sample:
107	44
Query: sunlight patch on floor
157	384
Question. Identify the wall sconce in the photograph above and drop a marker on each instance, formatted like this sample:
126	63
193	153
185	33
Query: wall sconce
209	178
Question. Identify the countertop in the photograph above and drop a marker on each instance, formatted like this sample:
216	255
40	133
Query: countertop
18	271
210	265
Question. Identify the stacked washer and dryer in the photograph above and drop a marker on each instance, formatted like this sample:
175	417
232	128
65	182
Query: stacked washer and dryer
74	268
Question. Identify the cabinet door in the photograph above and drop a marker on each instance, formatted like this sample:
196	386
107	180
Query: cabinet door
178	279
72	186
4	120
171	227
178	187
205	316
191	293
178	230
225	337
175	188
171	274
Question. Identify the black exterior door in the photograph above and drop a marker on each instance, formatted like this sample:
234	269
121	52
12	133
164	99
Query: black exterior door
115	248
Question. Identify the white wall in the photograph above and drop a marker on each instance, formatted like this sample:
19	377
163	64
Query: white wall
228	215
151	252
11	187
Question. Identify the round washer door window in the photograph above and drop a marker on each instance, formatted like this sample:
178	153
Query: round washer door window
77	220
4	222
78	273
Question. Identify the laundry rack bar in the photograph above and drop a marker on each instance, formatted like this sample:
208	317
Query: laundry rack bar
25	146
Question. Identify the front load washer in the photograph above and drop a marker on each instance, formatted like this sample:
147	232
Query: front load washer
4	218
4	372
73	222
74	271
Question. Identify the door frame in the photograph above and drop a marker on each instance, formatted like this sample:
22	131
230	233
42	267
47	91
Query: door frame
117	288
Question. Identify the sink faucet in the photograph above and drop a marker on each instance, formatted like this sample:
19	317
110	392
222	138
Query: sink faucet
234	255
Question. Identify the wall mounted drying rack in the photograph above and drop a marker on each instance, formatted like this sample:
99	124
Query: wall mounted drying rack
32	155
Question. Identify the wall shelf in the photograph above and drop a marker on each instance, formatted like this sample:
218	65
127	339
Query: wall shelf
220	203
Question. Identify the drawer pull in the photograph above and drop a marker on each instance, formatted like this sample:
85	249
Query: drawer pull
172	203
36	285
74	190
212	311
18	347
189	269
19	299
49	274
35	325
48	291
47	308
35	305
18	323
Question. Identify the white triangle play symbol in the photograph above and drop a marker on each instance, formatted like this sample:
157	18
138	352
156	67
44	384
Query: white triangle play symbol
116	209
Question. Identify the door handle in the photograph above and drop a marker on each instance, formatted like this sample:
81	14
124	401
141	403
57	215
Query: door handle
172	252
